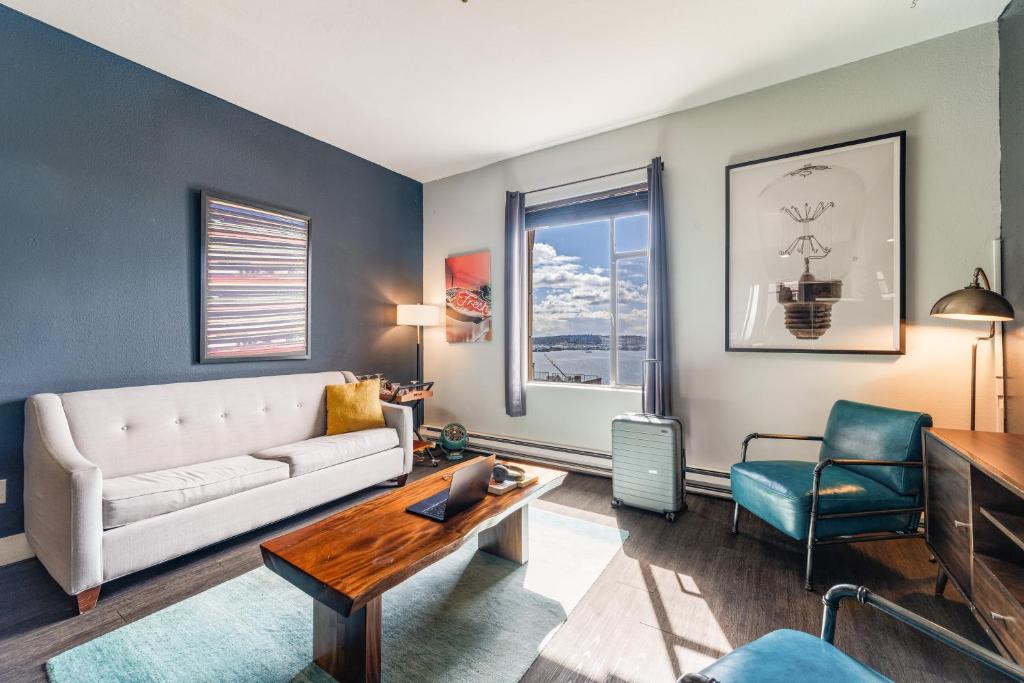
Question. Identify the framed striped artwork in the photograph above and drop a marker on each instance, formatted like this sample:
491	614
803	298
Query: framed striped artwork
255	282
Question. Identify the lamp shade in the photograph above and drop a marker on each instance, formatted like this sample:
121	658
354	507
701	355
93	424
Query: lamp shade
974	303
419	315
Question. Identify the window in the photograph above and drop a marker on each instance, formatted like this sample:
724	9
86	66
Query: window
588	289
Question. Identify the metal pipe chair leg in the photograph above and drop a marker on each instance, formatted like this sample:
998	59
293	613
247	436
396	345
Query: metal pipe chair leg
810	550
810	566
736	519
814	522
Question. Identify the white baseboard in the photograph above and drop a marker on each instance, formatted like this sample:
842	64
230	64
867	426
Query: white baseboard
14	549
698	480
594	462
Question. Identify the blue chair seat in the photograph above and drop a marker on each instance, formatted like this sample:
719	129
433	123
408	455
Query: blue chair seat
779	492
787	655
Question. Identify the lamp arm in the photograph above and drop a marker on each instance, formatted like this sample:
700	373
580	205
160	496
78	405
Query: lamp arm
974	365
979	272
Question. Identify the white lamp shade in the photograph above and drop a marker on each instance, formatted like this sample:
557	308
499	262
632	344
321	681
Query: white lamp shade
419	315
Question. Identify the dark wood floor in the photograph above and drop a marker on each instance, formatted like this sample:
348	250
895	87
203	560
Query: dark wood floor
677	596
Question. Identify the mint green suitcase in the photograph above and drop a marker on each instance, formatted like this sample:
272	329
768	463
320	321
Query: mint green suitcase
648	463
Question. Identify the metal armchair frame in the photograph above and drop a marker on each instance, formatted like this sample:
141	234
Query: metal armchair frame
836	594
834	597
812	540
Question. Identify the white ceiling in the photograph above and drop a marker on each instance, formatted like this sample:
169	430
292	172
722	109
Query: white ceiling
431	88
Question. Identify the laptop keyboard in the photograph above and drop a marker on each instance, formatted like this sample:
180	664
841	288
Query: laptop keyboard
437	509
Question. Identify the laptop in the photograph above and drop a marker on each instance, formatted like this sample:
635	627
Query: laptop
467	488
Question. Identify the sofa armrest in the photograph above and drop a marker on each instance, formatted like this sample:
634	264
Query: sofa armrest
63	498
400	418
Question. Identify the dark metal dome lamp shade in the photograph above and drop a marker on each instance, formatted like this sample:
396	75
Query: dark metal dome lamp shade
975	302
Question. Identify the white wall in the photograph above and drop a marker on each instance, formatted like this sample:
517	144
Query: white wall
943	92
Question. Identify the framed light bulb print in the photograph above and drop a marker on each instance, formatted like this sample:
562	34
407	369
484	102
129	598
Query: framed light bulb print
815	250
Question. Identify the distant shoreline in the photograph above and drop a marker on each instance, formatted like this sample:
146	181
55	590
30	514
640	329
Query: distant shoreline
588	342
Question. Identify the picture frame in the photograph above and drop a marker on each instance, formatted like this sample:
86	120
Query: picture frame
468	303
255	269
840	209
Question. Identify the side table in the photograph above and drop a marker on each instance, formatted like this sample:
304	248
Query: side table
412	395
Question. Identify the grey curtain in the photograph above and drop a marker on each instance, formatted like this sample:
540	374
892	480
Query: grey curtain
515	303
657	396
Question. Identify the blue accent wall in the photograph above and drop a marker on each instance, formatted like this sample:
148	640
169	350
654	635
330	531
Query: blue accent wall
1011	138
101	164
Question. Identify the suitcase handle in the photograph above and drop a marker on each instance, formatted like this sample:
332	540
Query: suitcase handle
643	386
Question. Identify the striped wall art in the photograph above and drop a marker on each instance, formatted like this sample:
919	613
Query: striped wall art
255	277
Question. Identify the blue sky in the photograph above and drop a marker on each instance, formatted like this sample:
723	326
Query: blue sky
572	283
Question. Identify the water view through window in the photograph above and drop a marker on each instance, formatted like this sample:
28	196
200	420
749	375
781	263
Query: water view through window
589	301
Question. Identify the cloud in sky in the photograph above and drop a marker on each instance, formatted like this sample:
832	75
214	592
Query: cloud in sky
572	298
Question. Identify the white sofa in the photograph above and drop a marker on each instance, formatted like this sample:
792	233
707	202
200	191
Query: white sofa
117	480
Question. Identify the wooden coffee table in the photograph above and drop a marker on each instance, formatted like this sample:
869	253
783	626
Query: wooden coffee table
347	561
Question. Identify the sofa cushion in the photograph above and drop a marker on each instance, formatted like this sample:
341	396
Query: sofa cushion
779	492
140	496
303	457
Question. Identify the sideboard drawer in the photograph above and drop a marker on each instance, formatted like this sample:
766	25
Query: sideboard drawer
1000	610
947	510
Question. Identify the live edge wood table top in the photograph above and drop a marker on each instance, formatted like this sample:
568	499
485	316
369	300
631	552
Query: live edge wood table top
348	560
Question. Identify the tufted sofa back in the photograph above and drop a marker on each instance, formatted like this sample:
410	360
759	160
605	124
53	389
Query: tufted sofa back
143	429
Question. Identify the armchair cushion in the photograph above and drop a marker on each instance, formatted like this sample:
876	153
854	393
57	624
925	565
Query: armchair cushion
786	655
866	432
779	492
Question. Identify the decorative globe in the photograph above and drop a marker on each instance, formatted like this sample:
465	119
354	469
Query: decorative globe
454	439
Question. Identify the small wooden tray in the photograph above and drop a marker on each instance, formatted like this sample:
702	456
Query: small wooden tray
415	395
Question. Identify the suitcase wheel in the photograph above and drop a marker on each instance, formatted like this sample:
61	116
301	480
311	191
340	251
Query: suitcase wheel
670	516
616	503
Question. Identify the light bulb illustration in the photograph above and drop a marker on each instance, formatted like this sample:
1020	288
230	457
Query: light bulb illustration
816	208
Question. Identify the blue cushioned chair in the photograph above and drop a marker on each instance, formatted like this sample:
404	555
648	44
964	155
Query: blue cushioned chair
797	656
866	485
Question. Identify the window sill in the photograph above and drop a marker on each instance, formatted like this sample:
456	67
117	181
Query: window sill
620	388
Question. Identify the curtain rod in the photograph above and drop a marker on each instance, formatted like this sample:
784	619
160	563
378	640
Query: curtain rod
585	180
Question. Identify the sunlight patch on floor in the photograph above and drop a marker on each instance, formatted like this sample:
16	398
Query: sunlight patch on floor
589	560
608	520
670	605
680	609
648	657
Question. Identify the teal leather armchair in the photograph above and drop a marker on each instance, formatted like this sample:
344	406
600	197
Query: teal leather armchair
786	655
866	485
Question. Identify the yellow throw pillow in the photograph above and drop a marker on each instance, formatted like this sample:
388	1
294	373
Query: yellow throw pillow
352	407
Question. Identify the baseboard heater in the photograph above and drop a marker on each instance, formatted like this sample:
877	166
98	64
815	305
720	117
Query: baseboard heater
577	459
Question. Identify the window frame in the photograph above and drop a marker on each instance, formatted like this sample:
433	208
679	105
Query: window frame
614	257
613	267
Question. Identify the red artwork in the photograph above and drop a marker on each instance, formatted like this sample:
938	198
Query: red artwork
468	297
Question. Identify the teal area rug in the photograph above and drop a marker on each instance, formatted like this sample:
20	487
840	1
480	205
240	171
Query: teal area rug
468	617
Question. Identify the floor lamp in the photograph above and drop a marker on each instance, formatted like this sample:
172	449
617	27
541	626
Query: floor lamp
419	316
975	302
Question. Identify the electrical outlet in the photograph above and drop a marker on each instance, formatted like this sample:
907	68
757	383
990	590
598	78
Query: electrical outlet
3	491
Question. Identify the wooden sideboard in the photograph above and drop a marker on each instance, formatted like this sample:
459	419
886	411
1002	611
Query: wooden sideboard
974	525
